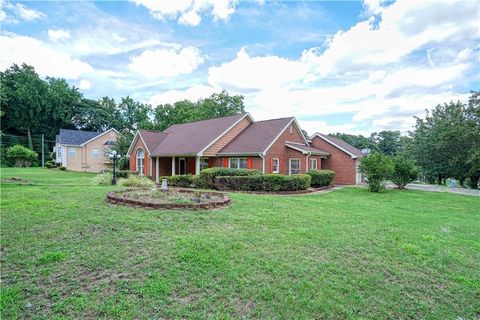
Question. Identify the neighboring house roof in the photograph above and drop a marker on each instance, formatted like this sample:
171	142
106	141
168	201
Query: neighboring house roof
193	137
306	149
340	144
76	137
257	137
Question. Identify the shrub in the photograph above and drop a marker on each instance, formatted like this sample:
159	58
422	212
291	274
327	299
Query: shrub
269	182
321	178
278	182
376	167
22	156
239	183
50	165
183	180
62	168
207	176
103	179
121	173
404	171
136	181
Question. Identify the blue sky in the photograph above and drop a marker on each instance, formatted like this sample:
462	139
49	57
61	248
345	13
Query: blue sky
345	66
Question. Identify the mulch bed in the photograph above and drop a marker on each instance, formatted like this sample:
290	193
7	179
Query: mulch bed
114	198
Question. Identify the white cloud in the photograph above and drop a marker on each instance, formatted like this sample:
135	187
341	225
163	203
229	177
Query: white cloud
46	60
188	11
27	13
193	94
246	73
58	34
166	62
84	84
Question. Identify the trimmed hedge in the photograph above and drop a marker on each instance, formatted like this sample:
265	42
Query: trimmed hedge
183	180
268	182
206	179
321	178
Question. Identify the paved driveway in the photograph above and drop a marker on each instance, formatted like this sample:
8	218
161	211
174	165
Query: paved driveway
437	188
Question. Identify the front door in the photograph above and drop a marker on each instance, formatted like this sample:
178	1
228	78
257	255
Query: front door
182	166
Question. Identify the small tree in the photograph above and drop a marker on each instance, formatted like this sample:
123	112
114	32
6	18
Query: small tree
404	171
22	156
376	167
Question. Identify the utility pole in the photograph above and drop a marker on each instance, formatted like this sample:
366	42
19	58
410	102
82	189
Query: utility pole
43	152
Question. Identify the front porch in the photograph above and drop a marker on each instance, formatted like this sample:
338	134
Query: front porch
176	165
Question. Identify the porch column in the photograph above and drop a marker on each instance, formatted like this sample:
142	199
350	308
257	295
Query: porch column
197	166
157	174
173	166
150	166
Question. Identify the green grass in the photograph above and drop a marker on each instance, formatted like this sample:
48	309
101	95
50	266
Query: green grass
66	253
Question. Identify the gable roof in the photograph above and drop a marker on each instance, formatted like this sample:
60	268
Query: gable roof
193	137
340	144
257	137
306	149
76	137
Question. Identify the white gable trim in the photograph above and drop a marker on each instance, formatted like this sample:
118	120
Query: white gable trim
200	153
96	137
316	134
137	134
283	130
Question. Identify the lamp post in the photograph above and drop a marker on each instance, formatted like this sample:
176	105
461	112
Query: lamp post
114	156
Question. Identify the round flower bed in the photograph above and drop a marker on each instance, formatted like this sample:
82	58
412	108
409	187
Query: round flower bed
171	199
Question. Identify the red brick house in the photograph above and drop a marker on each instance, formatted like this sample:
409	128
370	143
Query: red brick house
343	158
270	146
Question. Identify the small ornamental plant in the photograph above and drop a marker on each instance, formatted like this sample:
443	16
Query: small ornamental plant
376	168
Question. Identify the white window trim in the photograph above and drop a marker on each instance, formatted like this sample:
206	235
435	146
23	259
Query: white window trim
240	158
97	152
140	172
70	149
290	165
278	165
310	167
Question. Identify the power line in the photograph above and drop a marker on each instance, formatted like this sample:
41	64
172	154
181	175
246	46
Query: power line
25	137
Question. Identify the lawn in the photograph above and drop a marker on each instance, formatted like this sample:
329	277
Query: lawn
66	253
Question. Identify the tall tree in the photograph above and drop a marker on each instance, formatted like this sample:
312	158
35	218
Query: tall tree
387	141
217	105
24	96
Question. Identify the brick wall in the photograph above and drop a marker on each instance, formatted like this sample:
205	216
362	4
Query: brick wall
338	161
133	157
280	151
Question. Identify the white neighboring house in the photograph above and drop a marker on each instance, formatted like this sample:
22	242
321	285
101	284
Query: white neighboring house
84	150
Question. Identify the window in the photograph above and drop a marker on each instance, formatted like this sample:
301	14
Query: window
238	163
291	128
140	161
95	153
72	152
203	163
275	165
59	152
294	166
313	164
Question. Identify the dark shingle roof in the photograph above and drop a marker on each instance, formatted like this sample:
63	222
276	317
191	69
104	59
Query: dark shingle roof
191	138
152	138
307	149
342	144
76	137
256	137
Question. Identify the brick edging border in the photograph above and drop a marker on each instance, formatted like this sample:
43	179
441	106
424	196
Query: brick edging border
113	198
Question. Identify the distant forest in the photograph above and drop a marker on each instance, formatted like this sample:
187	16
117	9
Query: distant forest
445	143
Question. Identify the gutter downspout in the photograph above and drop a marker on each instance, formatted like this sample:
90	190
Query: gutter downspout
263	162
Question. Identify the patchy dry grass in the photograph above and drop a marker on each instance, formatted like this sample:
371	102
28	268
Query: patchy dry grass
66	253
